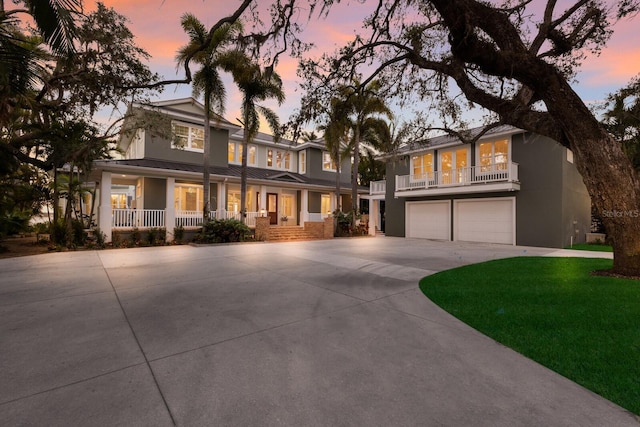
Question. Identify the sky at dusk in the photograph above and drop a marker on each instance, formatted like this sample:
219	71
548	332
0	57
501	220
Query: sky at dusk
156	25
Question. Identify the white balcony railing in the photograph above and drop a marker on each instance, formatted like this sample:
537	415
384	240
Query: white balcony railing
191	218
250	219
140	218
377	187
499	172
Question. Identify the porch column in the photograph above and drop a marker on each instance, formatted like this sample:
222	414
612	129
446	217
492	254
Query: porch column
334	202
374	212
105	214
304	208
222	202
170	209
263	198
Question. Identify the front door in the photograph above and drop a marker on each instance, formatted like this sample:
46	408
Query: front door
272	207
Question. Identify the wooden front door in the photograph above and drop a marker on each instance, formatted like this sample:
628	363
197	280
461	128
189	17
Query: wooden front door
272	207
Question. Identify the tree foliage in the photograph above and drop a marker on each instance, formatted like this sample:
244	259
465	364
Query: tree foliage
515	61
622	119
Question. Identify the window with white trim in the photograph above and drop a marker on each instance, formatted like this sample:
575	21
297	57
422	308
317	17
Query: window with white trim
493	155
325	204
422	166
188	197
235	154
187	137
327	162
302	162
278	159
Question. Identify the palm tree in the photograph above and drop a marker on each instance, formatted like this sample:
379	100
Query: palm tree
365	109
207	81
256	85
22	55
336	138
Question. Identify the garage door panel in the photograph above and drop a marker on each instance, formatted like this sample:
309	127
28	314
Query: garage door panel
428	220
488	221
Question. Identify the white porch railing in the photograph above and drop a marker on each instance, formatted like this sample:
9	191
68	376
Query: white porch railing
141	218
148	218
499	172
377	187
250	219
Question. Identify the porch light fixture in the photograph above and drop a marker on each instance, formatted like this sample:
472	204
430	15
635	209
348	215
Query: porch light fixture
263	213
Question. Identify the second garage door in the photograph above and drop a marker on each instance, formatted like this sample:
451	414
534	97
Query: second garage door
485	220
428	220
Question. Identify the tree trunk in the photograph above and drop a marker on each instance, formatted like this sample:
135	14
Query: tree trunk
354	174
243	170
336	156
206	179
613	186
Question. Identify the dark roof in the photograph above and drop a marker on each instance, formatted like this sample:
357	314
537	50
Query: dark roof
232	171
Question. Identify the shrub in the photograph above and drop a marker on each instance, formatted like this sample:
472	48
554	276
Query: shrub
101	238
178	234
68	236
152	235
136	236
223	231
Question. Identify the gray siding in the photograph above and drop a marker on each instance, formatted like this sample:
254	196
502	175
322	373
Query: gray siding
315	202
539	201
314	168
552	205
155	193
394	208
160	148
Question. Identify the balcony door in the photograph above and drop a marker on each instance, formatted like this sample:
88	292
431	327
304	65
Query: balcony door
453	164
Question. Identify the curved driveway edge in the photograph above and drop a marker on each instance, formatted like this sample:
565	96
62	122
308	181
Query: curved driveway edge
318	333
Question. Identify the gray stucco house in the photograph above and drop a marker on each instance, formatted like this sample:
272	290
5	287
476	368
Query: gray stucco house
510	187
158	182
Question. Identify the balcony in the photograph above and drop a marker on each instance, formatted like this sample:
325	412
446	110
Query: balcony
377	188
474	179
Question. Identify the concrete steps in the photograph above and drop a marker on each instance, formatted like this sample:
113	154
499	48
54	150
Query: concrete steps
288	233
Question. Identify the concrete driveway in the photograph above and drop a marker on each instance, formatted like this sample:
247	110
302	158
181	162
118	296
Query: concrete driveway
323	333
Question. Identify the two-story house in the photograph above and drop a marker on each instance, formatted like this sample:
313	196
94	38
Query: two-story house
510	187
159	183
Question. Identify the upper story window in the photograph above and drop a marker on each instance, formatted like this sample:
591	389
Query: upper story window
422	165
493	155
302	162
278	159
235	154
187	137
327	162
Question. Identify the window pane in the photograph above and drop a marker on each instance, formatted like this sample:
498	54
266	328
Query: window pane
287	160
232	152
270	158
416	165
461	158
279	159
251	156
427	163
239	160
303	164
325	206
197	138
501	150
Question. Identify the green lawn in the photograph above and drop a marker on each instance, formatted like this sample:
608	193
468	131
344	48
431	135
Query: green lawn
591	247
553	311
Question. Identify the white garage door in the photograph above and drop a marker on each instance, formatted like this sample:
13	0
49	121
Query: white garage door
486	220
428	220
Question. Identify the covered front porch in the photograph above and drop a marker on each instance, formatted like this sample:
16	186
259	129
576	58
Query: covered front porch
129	201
